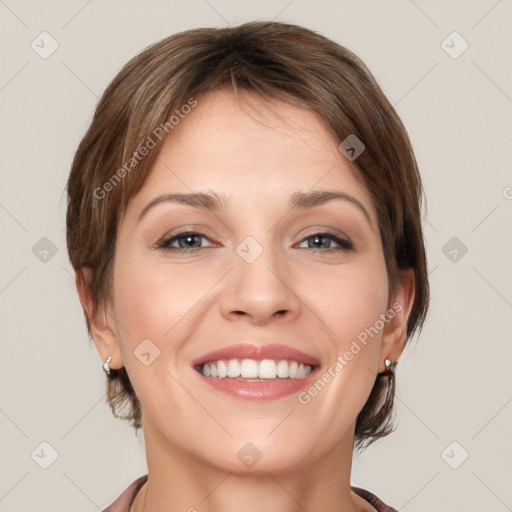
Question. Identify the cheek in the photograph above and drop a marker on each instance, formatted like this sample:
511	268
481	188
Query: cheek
350	302
151	298
349	299
366	302
159	302
151	303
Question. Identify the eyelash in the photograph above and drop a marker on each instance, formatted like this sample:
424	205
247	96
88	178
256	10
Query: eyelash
345	245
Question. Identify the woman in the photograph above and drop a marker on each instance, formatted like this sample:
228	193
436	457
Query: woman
244	223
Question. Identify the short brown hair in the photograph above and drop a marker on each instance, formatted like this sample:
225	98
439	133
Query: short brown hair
274	60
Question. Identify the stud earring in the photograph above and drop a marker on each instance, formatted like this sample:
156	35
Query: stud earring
390	365
106	365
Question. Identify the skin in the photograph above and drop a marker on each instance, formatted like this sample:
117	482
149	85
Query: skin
191	303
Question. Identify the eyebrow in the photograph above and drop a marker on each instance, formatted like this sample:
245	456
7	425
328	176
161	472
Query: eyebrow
215	202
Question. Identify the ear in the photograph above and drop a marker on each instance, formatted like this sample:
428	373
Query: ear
103	335
395	330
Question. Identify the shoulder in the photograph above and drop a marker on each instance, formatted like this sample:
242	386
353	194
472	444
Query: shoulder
125	500
373	500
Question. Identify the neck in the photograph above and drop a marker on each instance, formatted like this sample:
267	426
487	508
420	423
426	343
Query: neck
185	482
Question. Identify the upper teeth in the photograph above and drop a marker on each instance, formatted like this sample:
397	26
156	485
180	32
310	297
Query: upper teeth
252	369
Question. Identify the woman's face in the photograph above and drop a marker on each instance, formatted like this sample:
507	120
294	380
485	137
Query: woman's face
256	271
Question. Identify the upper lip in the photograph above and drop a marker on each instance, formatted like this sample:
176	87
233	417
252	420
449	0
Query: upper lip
257	352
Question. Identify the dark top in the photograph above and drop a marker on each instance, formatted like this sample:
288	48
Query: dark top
124	502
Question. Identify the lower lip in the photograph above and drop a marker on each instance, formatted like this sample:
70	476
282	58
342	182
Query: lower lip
260	391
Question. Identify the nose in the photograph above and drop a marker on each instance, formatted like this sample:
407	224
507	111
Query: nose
262	291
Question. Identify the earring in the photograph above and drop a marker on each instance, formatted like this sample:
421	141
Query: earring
390	365
105	365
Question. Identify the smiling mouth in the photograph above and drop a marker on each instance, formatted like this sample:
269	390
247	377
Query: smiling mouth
253	370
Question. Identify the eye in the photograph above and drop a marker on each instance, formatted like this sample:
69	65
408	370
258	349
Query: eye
187	241
190	241
320	240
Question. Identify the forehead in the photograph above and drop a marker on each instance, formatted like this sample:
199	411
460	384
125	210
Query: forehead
249	149
223	123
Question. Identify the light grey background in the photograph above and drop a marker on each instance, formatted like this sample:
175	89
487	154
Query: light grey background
454	384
